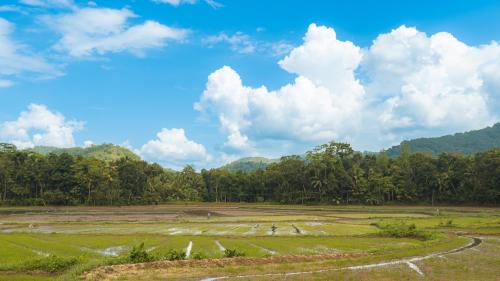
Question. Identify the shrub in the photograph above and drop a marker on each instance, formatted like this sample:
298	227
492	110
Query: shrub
231	253
403	230
51	264
138	254
198	256
173	255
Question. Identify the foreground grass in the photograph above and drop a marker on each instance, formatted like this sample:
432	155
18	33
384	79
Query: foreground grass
197	273
322	230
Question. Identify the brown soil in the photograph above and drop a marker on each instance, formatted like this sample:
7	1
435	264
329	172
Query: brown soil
102	272
126	213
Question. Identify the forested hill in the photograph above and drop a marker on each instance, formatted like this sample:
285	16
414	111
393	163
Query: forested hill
467	143
104	152
249	164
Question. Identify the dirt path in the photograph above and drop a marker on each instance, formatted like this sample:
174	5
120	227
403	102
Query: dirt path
408	261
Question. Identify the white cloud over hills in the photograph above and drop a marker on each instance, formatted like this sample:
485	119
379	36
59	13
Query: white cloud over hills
172	148
38	126
406	84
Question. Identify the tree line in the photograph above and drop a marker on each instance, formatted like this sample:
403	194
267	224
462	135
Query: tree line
329	174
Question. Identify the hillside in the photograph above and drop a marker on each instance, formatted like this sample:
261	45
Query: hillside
467	143
105	152
249	164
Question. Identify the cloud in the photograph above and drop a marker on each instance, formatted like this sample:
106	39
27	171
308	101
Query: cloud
238	42
433	82
320	104
242	43
40	126
406	84
175	2
17	60
173	149
50	3
89	31
278	48
212	3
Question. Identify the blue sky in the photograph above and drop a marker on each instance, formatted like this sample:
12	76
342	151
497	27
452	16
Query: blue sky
149	74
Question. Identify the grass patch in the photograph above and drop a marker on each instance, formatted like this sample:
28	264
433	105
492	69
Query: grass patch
50	264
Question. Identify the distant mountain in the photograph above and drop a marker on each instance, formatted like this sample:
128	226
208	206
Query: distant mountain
249	164
105	152
467	143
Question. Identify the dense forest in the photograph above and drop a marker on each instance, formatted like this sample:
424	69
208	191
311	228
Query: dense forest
329	174
466	143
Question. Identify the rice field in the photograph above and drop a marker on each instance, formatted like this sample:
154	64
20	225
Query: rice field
271	238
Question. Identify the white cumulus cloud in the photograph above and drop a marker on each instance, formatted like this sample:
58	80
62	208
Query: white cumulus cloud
89	31
172	148
406	84
431	82
321	104
40	126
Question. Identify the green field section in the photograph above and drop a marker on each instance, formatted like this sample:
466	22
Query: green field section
289	228
24	246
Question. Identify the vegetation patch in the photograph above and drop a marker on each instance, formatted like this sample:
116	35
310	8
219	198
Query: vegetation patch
403	230
138	254
51	264
231	253
174	255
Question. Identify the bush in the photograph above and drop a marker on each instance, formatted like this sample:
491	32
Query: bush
231	253
403	230
51	264
174	255
138	254
198	256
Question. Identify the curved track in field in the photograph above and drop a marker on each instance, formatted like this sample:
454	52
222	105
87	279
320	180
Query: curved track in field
408	261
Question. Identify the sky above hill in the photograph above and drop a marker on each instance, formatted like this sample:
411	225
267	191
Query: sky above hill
204	82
